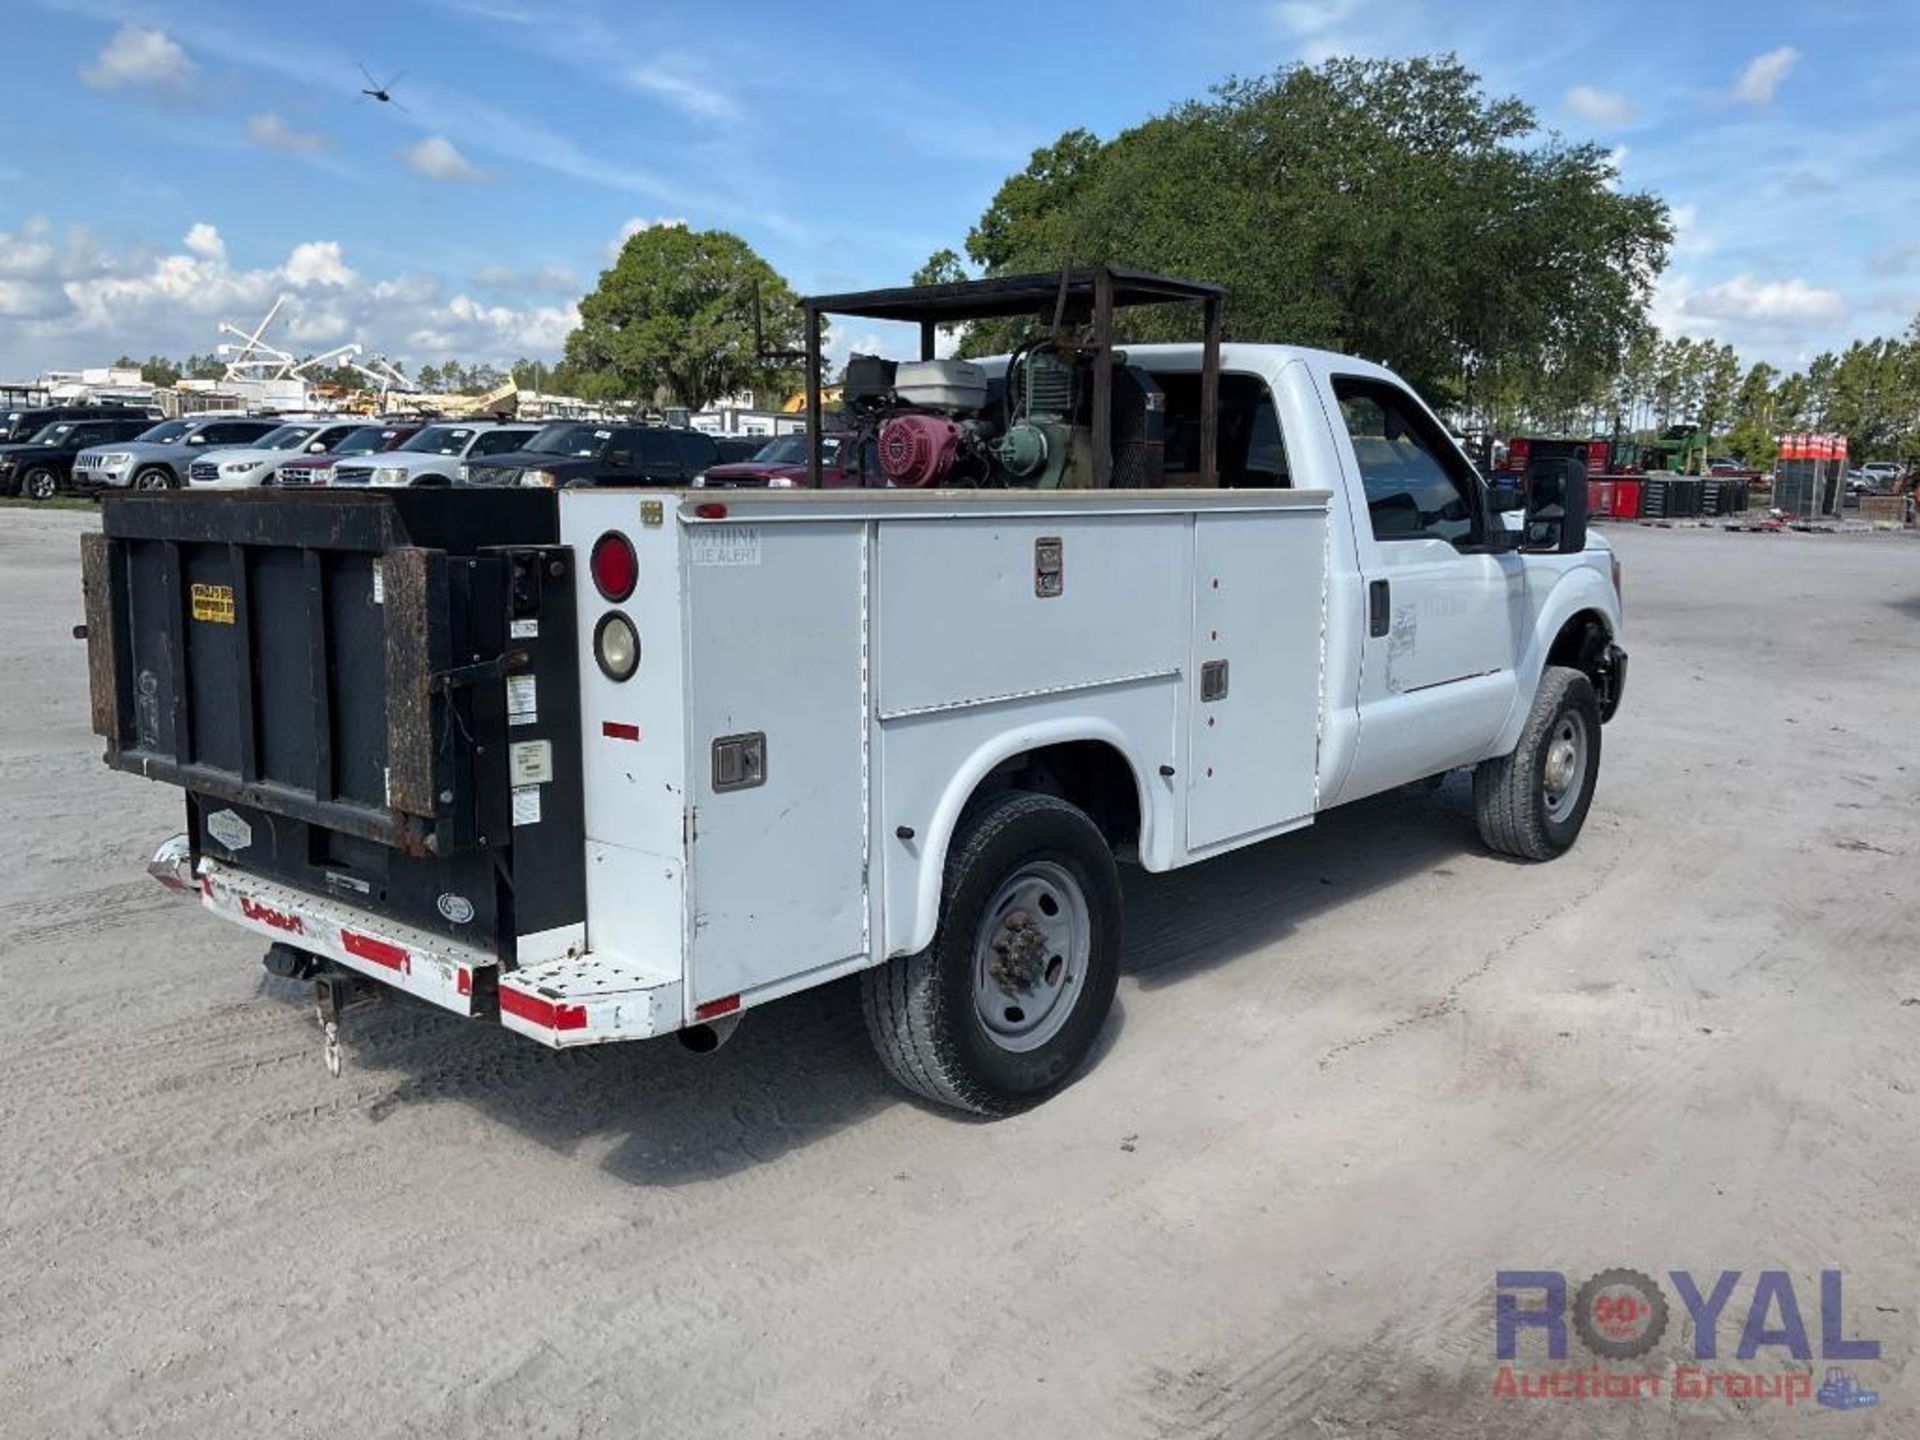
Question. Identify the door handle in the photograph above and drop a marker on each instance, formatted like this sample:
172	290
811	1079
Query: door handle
1379	609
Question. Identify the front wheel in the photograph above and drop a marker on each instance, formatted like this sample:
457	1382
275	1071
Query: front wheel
155	477
40	483
1532	803
1002	1008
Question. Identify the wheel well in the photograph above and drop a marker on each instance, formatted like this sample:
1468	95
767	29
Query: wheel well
1088	773
1582	645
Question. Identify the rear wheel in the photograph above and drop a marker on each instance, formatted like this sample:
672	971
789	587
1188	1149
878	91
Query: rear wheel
155	477
40	483
1002	1008
1531	804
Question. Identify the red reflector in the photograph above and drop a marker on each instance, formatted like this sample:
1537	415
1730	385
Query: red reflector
378	951
619	730
543	1012
463	980
725	1005
616	569
710	510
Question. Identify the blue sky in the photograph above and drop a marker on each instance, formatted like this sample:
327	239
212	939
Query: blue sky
165	165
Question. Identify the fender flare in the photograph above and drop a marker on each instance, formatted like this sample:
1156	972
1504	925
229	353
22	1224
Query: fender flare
932	857
1580	589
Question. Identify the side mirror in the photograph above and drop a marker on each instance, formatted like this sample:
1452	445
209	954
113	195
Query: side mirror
622	458
196	439
316	448
1556	506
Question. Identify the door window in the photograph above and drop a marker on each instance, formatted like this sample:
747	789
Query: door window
1413	489
657	453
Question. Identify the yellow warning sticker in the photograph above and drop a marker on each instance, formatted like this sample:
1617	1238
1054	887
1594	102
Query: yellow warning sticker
213	603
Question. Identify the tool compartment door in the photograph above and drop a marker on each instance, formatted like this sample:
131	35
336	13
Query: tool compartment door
1255	680
775	650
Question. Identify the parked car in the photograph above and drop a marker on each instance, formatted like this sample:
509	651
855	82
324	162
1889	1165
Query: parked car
361	441
21	425
256	464
1886	473
732	449
781	464
40	468
434	455
157	459
585	452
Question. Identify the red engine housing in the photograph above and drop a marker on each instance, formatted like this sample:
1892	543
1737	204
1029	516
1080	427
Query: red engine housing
918	450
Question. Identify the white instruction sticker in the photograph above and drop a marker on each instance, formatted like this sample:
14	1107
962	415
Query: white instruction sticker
526	804
523	700
523	630
726	545
379	584
531	761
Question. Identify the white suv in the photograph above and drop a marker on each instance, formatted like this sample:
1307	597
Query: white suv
435	455
255	465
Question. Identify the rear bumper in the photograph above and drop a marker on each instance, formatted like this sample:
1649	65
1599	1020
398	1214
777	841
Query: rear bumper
440	971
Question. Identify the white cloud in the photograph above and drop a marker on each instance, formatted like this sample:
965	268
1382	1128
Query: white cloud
270	132
685	84
1690	238
437	158
1764	75
1617	162
1322	28
67	300
203	240
318	262
1792	303
139	58
1600	107
540	280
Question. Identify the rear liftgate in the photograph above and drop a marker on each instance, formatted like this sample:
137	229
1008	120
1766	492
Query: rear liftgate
375	717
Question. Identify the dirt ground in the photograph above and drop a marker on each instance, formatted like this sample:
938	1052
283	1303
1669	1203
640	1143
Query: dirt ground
1352	1075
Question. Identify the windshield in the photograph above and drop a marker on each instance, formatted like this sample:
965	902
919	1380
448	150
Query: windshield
792	450
52	434
367	440
165	433
285	438
577	440
440	440
499	442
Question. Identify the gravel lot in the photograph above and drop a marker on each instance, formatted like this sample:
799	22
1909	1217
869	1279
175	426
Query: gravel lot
1352	1074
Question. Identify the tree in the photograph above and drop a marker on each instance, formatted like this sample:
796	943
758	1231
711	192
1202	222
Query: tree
675	312
1754	432
1386	208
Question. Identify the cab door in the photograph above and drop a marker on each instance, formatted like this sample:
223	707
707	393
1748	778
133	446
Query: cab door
1442	602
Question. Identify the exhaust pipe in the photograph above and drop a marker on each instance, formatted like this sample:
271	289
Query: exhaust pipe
710	1035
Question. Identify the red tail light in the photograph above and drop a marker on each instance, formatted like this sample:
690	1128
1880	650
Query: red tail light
616	569
711	510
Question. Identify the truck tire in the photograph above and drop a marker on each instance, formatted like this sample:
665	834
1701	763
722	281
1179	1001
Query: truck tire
40	483
1532	803
155	477
1001	1009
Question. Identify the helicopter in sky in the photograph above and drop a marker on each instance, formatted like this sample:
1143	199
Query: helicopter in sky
383	92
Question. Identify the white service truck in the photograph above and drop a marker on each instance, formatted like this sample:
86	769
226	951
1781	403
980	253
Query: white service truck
613	764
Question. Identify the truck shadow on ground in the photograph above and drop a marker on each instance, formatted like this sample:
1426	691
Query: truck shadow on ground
802	1069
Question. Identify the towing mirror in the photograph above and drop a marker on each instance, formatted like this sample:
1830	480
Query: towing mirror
1556	506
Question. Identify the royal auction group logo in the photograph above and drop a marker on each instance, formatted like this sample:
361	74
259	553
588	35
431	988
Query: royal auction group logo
1621	1314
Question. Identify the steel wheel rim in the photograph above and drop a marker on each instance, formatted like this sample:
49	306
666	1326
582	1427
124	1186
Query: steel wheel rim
1565	772
1030	956
150	480
40	485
